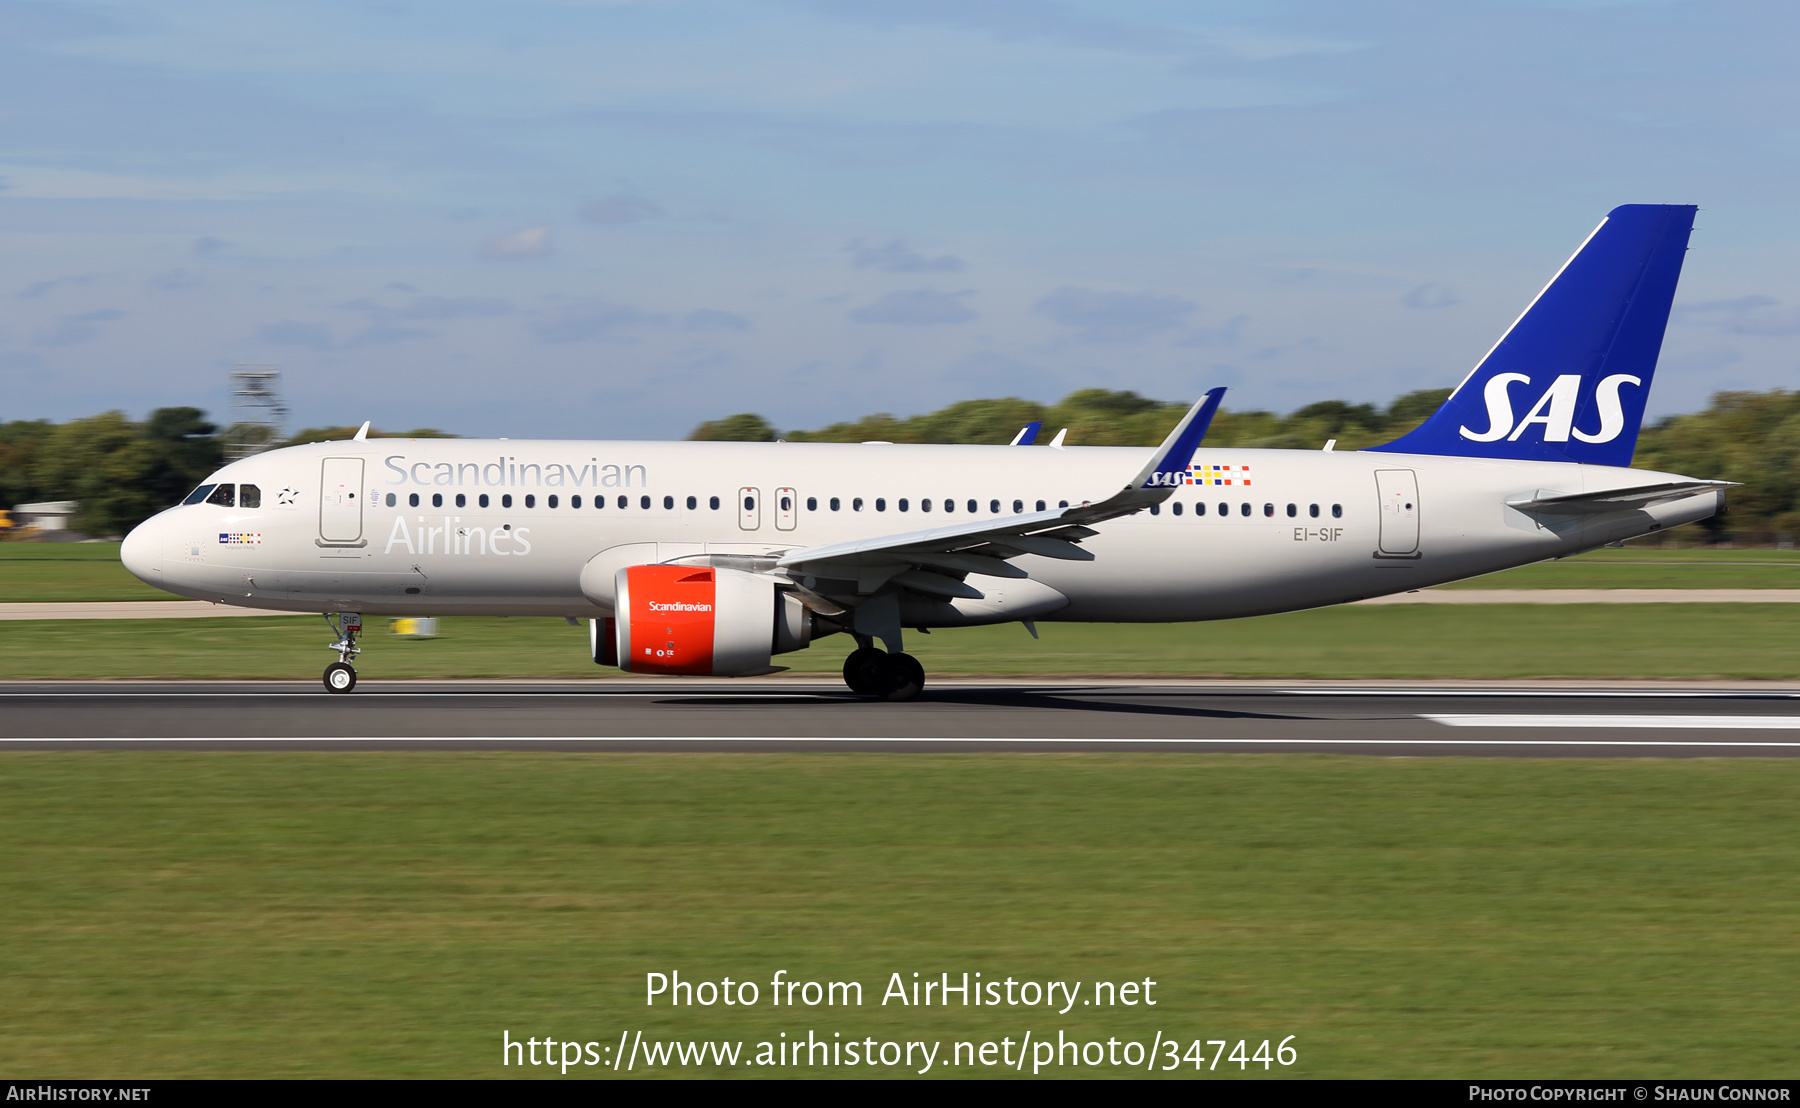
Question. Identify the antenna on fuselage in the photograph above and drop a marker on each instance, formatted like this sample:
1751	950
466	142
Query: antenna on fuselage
361	432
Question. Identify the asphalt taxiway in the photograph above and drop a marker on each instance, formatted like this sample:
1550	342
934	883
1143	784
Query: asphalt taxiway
1520	720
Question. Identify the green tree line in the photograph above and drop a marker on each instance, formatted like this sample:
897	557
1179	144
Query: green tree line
1752	437
122	471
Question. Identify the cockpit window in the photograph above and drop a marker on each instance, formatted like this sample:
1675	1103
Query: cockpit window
225	496
199	494
249	496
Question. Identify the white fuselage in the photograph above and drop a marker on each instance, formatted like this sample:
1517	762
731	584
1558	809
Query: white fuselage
375	526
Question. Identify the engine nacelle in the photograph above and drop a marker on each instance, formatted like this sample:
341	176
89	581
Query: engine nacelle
704	621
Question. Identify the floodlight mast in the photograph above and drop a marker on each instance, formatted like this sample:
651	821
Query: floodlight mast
259	419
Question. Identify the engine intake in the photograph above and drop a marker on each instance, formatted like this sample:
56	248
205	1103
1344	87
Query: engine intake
704	621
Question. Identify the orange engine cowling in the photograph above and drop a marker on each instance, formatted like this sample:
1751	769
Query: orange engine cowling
704	621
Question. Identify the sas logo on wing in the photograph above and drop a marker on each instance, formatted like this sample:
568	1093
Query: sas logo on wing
1201	475
240	538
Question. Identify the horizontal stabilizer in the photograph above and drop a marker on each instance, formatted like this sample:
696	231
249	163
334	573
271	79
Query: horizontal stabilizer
1612	500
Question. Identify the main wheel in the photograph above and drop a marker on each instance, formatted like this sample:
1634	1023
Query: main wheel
902	677
862	669
340	677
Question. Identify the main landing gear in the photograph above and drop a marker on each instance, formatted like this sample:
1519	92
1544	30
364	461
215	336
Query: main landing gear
340	676
878	673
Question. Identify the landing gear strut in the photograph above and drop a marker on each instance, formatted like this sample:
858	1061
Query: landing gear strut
340	676
877	673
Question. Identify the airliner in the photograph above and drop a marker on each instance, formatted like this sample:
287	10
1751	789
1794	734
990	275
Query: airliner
712	558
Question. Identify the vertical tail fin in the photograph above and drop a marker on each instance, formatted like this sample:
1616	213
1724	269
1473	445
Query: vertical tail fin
1568	381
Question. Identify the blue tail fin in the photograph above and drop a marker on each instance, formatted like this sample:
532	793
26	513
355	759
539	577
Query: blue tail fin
1568	381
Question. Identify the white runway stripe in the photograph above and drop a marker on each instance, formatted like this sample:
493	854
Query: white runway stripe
1709	723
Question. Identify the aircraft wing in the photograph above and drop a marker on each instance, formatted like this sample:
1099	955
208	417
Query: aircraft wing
941	556
1612	500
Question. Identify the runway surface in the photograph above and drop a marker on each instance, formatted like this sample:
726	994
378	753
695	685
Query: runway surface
790	715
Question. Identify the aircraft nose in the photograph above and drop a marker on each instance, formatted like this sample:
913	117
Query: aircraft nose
142	552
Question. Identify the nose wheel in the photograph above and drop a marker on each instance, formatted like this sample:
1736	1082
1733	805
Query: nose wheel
871	672
340	676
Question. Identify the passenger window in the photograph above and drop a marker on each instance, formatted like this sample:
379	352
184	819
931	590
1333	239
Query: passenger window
1224	508
749	504
856	505
644	502
225	496
812	503
249	496
924	505
1245	510
199	495
692	503
412	500
1040	506
1062	503
437	500
1292	511
1018	506
713	503
949	505
574	501
974	507
1200	507
506	500
834	503
1337	511
1268	511
463	501
881	503
1175	507
903	504
624	502
1156	509
392	500
1312	510
550	501
787	504
481	500
531	500
993	507
668	503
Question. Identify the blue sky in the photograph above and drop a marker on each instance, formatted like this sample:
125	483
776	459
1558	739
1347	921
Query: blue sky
615	219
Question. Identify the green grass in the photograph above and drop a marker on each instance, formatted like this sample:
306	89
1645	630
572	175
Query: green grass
63	572
91	572
1400	641
266	915
1652	568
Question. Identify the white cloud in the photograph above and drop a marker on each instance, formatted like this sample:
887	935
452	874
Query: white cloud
530	242
1101	316
916	307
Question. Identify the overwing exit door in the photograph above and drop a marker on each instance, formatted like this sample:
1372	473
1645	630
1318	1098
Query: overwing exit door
340	501
749	509
1399	493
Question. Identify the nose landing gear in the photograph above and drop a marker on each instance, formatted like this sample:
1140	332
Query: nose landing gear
340	676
